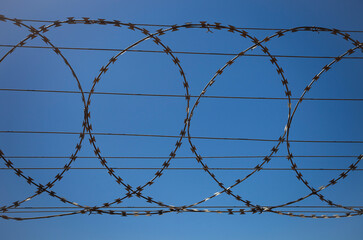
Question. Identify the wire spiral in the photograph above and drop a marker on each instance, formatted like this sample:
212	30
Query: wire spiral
137	191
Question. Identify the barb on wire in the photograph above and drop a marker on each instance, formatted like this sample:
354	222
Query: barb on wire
168	25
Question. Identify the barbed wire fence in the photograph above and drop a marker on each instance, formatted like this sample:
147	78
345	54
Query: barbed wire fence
333	210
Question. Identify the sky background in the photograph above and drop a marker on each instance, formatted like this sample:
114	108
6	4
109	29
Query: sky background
156	73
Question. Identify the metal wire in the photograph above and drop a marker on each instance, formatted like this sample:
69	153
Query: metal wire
175	136
275	149
179	52
138	191
182	157
177	95
168	25
183	168
218	211
213	206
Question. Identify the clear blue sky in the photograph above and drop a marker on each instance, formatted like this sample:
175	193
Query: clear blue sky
156	73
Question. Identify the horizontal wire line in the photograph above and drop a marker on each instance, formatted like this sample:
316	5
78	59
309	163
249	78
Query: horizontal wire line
183	168
170	25
177	136
178	52
184	157
201	211
153	207
175	95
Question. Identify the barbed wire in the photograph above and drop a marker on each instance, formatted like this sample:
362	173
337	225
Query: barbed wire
136	213
185	132
168	25
185	168
275	149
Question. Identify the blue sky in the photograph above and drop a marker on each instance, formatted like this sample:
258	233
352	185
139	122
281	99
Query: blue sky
156	73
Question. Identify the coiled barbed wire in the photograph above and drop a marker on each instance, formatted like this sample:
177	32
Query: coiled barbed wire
137	191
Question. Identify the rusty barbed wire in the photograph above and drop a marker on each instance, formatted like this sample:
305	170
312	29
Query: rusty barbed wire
185	132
